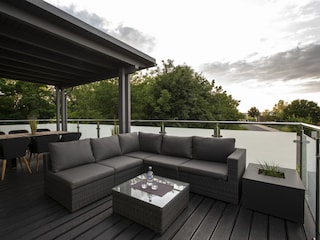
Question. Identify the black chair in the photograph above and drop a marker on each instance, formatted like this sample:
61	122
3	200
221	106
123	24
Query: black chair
39	145
70	136
2	133
18	131
43	130
12	148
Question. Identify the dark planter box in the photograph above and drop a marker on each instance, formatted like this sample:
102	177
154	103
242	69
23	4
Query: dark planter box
280	197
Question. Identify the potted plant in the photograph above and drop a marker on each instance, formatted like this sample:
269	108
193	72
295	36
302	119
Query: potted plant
273	190
271	170
33	125
115	129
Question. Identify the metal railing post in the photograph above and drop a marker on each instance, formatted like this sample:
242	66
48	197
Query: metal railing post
162	129
98	129
317	186
216	131
301	153
78	126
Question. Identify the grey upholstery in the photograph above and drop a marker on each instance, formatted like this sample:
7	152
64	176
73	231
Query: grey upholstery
140	154
177	146
165	161
212	149
80	172
104	148
121	163
206	168
82	175
129	142
66	155
150	142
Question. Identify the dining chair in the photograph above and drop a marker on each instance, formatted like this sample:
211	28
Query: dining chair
12	148
18	131
70	136
43	130
39	145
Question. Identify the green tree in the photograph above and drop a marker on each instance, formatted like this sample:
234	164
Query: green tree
106	98
254	113
179	93
302	111
278	110
24	99
223	106
81	102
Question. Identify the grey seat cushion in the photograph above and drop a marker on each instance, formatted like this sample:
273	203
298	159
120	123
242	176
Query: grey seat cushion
121	163
129	142
165	161
150	142
205	168
106	147
140	154
212	149
177	146
66	155
82	175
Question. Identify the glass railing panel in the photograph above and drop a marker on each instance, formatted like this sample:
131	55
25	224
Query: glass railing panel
262	146
309	172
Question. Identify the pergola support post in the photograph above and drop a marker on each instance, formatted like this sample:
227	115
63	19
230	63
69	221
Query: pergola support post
61	109
124	102
64	109
57	96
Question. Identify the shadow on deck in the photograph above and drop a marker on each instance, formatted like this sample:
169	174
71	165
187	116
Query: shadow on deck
26	213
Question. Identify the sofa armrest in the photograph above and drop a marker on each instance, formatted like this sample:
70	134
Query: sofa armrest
236	162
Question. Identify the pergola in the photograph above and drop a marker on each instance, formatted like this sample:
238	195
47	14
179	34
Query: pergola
42	44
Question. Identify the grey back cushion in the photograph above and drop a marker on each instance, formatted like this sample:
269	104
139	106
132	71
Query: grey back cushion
150	142
177	146
212	149
71	154
129	142
104	148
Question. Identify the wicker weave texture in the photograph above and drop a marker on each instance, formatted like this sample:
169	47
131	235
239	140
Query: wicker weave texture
156	218
74	199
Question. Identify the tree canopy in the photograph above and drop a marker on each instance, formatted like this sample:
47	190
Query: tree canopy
166	92
23	100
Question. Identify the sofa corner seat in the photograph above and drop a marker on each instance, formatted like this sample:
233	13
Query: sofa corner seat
216	169
80	172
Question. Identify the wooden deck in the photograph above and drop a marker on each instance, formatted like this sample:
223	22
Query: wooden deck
26	213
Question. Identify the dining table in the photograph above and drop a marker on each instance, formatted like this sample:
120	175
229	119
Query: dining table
28	135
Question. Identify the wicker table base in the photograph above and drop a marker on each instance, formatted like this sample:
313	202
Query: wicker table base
152	211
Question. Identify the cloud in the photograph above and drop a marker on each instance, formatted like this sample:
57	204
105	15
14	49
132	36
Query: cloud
301	63
126	34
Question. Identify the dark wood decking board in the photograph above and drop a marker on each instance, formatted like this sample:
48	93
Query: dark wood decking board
26	213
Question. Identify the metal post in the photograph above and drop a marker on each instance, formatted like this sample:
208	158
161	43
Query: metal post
124	102
216	131
98	129
78	126
64	109
162	129
301	153
317	187
58	108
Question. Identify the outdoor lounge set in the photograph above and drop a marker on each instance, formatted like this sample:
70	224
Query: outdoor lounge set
78	173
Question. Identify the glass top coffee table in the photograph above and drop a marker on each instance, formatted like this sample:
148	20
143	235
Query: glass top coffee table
155	209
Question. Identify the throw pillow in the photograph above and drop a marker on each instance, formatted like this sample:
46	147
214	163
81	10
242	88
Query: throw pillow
104	148
66	155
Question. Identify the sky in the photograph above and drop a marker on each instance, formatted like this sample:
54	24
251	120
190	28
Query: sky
259	51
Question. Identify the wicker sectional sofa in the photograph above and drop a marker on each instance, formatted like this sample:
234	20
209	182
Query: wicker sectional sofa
80	172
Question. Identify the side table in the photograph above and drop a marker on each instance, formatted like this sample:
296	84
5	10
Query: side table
280	197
